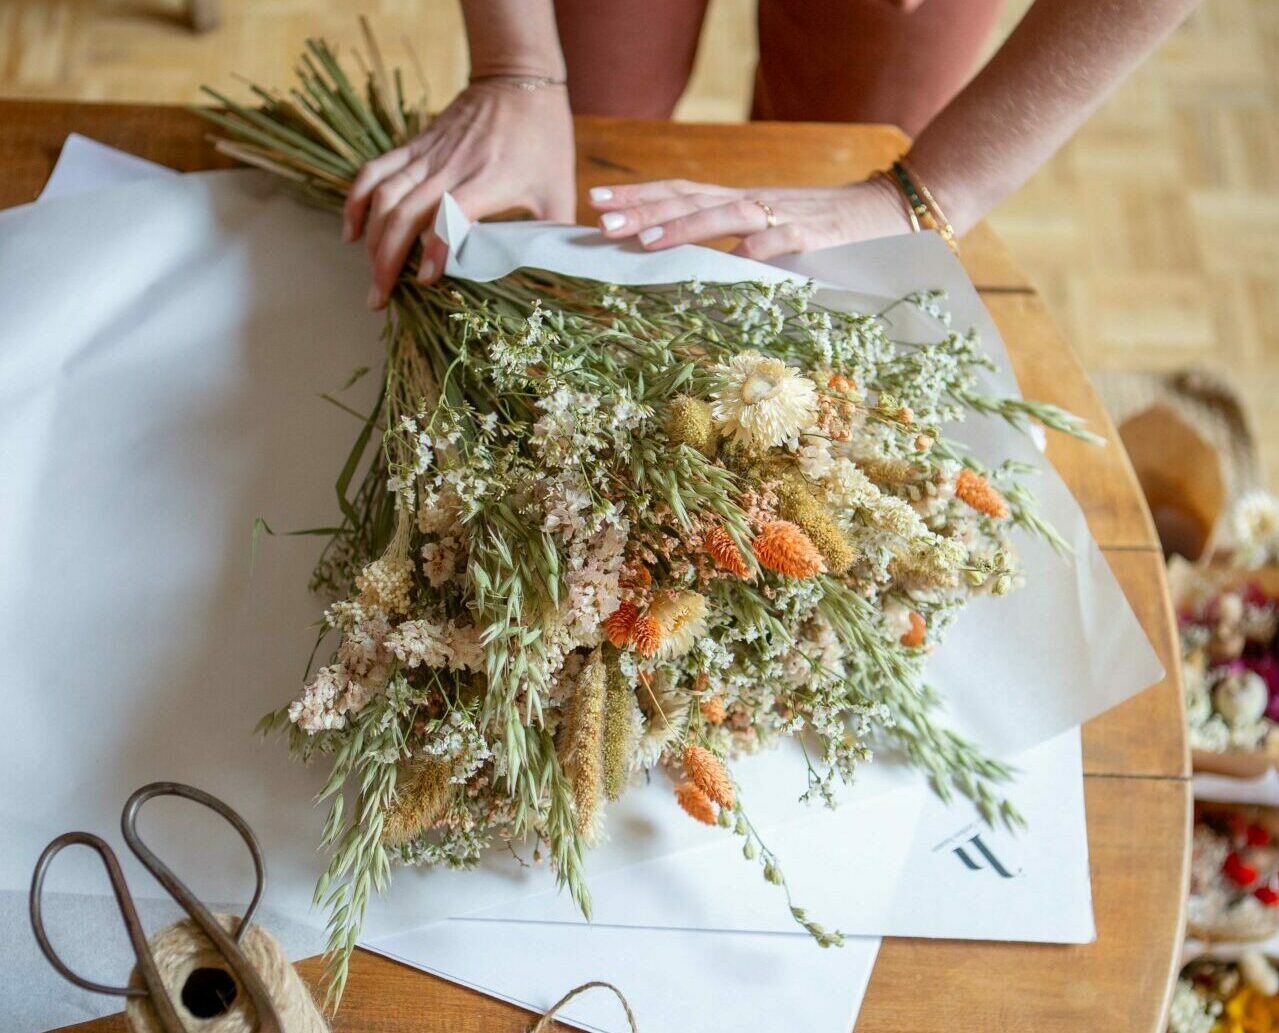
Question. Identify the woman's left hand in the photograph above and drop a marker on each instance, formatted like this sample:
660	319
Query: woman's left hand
674	211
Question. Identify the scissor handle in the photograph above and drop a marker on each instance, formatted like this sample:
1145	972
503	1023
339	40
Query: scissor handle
152	986
163	873
227	946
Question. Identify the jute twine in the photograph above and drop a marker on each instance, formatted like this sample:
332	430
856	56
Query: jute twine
182	948
544	1023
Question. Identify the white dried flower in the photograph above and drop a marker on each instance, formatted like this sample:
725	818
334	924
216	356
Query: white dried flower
1190	1011
760	401
1254	524
682	616
419	642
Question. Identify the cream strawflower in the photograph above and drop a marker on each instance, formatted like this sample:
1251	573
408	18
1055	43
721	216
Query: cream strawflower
1255	520
682	617
762	402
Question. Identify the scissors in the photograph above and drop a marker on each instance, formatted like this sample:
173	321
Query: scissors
228	946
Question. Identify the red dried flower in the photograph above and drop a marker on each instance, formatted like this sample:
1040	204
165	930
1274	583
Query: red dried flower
1237	871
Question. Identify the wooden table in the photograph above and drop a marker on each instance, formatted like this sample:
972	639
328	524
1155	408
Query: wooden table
1135	759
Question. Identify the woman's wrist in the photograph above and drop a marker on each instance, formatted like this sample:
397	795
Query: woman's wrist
946	185
513	38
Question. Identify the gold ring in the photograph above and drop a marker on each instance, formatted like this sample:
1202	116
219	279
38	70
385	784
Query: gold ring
769	215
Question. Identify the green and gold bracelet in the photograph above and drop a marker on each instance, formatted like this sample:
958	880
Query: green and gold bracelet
923	204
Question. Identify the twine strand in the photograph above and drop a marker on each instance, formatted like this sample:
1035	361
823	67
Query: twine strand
544	1023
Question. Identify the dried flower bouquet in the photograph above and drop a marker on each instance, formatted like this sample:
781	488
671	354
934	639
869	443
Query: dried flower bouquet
604	529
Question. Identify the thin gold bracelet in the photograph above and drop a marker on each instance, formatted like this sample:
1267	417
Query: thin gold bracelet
527	83
924	204
897	189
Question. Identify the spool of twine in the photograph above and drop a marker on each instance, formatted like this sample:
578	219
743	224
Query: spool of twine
205	992
209	998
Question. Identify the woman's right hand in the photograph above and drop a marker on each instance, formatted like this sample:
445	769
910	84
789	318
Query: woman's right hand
496	147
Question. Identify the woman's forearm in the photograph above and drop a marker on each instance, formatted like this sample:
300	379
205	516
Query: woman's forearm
1059	64
513	37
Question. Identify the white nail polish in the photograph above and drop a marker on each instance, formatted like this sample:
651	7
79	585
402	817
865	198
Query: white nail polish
651	234
601	194
614	221
426	271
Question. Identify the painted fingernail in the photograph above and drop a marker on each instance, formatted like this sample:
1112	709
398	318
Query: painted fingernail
426	271
651	234
601	194
375	298
613	221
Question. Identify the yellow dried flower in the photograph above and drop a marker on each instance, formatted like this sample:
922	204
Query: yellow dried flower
581	742
725	553
622	723
689	422
682	617
696	803
385	584
931	563
708	773
974	489
798	505
887	470
422	793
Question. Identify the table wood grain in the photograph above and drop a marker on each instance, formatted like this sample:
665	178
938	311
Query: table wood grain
1136	766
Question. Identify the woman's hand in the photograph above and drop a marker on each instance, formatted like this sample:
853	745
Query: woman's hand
674	211
496	147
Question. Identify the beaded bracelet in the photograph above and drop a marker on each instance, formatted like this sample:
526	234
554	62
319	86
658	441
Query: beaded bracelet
924	204
896	188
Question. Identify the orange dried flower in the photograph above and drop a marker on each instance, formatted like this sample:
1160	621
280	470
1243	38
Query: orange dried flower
785	548
914	638
696	803
839	382
725	553
906	414
709	774
646	635
636	577
620	624
978	492
713	710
